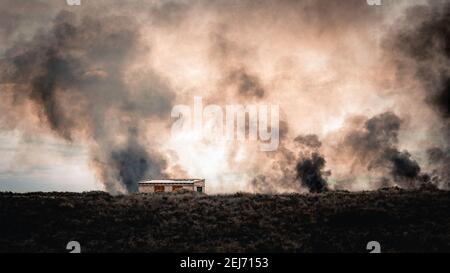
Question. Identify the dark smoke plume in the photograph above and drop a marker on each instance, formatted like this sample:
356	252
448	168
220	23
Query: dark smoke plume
375	147
423	45
310	165
427	46
404	169
134	163
310	173
74	76
402	164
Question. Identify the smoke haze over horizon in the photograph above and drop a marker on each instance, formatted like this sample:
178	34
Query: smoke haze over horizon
86	93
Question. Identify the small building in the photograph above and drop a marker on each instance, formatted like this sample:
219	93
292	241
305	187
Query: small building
171	185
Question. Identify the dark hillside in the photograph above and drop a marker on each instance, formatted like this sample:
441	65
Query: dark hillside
402	221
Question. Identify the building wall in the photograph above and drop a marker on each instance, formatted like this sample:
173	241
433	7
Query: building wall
200	183
168	187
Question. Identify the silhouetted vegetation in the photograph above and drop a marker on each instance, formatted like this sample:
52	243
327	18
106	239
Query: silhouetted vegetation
402	221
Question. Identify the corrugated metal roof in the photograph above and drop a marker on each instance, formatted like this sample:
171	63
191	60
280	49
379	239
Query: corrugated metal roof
171	181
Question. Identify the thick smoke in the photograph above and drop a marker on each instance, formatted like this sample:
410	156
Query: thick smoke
310	173
426	46
132	163
311	164
374	147
423	47
295	161
440	160
106	74
280	174
403	169
237	78
74	76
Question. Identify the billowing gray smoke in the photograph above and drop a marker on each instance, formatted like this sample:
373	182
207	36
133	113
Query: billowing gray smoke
104	76
310	173
134	162
427	45
440	160
310	165
424	47
402	165
281	175
300	166
73	74
375	147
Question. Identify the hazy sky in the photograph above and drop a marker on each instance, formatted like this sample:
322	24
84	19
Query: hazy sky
43	164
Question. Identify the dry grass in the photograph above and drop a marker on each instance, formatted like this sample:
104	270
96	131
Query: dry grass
402	221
